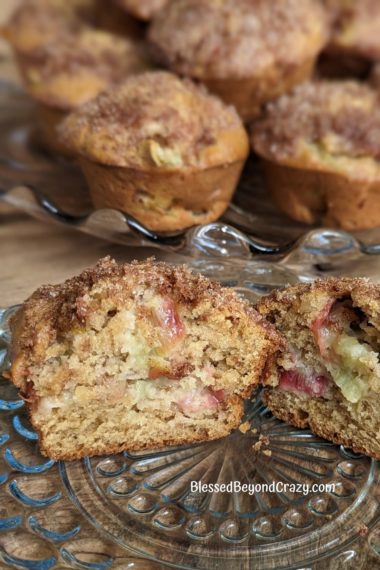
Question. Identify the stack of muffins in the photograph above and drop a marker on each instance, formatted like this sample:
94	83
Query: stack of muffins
154	99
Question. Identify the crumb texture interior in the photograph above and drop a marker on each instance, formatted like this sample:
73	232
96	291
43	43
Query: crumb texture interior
329	375
148	358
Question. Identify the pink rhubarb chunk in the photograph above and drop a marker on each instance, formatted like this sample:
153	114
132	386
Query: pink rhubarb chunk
168	317
199	400
294	381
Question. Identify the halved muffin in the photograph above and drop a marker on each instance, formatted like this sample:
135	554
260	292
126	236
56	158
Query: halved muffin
159	148
142	9
355	25
246	51
320	147
134	356
328	376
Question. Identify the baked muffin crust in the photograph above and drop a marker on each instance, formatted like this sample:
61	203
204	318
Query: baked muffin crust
322	122
156	120
67	73
356	25
320	147
236	38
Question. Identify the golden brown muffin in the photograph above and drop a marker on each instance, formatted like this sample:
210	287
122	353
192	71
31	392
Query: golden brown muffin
356	25
328	376
246	51
35	23
64	74
134	356
161	149
321	148
142	9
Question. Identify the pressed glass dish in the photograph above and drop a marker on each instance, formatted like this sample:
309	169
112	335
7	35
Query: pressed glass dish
92	513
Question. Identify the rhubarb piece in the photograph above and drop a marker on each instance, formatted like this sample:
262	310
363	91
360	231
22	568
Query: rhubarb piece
328	376
134	356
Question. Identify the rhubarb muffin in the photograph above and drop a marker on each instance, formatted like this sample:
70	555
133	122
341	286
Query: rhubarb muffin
142	9
320	147
246	51
64	74
328	376
134	356
355	27
159	148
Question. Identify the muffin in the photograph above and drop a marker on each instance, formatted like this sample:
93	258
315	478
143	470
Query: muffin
159	148
328	375
342	66
320	147
36	23
135	356
142	9
64	74
246	51
355	27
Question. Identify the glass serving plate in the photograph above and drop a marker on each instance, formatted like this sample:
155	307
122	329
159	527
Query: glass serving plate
92	514
53	189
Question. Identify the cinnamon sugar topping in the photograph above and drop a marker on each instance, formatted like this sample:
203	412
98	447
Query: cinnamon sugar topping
338	118
154	119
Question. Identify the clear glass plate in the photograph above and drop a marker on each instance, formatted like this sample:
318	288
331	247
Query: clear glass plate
90	514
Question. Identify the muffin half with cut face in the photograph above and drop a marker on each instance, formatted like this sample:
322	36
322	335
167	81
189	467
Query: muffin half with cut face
328	376
320	147
161	149
246	51
135	356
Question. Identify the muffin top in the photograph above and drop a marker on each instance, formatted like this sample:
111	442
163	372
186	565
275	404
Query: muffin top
321	122
156	120
356	25
71	71
142	9
37	22
237	38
